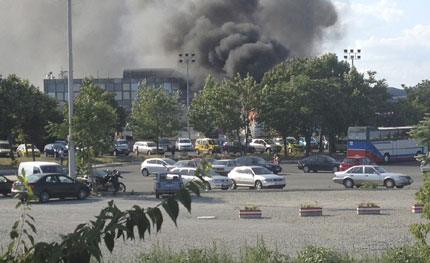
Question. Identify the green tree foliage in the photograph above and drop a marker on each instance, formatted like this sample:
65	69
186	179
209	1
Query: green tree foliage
94	122
156	113
417	97
24	111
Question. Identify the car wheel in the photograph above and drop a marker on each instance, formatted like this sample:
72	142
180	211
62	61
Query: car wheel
207	186
258	185
348	183
389	183
233	185
82	194
46	154
386	158
306	169
145	172
399	186
335	169
121	187
44	197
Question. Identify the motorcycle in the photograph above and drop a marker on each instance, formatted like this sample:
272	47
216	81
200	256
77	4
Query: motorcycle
108	183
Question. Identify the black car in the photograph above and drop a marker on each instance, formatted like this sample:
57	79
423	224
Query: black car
166	144
52	149
255	160
5	185
52	185
317	163
236	147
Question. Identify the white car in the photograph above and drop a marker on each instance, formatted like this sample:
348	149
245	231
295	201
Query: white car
425	167
212	181
148	147
223	167
360	174
184	144
156	165
256	177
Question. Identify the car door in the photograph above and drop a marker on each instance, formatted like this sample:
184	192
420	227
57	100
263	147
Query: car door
357	175
67	186
248	177
372	175
51	184
152	166
238	178
159	166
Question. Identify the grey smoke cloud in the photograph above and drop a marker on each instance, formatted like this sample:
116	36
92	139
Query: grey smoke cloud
227	36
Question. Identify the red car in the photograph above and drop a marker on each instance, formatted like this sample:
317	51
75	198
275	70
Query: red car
354	160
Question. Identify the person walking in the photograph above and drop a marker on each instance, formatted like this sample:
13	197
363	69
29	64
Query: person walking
173	151
61	155
276	159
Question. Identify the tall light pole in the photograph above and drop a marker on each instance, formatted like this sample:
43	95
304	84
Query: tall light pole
71	151
187	59
352	55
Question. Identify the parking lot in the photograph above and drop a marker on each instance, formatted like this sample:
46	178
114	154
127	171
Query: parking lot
281	226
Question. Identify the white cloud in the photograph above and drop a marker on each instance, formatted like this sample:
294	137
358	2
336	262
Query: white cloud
385	10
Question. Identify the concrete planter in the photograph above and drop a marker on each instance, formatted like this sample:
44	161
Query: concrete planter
368	210
310	211
257	213
417	208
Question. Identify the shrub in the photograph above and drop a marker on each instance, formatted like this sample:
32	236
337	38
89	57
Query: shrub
313	254
367	203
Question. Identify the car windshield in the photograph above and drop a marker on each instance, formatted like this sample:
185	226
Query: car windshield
269	141
258	160
164	141
212	142
260	170
184	141
58	146
152	144
329	159
169	161
380	169
4	146
52	169
291	140
33	178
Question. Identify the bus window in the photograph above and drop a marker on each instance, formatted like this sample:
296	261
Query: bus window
374	135
357	133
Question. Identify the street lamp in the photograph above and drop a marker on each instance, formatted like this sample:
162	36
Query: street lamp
187	59
71	154
352	54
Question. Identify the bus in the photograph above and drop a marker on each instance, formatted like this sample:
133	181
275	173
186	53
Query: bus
383	144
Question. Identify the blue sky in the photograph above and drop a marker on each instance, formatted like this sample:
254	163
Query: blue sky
394	38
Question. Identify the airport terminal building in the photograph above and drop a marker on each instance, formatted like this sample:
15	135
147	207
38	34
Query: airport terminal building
125	88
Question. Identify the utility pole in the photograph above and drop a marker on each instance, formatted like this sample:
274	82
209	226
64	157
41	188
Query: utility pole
71	154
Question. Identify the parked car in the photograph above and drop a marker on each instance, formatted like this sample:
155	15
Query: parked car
211	181
340	145
237	147
353	161
184	144
256	177
360	174
206	145
121	147
5	185
223	167
425	167
167	184
293	145
265	145
52	185
21	150
29	168
255	160
165	143
156	165
148	147
317	163
4	149
52	149
314	143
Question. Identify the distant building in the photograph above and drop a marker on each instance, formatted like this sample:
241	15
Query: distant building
124	88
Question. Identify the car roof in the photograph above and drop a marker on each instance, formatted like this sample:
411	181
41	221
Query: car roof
40	163
250	166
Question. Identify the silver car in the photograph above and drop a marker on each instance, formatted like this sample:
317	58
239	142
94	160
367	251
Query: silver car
256	177
223	167
360	174
212	181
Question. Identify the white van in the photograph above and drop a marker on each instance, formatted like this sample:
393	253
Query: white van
39	167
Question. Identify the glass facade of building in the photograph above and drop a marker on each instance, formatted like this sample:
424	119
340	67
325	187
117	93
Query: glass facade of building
125	89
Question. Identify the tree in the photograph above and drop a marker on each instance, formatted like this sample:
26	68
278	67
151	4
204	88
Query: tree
156	113
94	122
25	111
